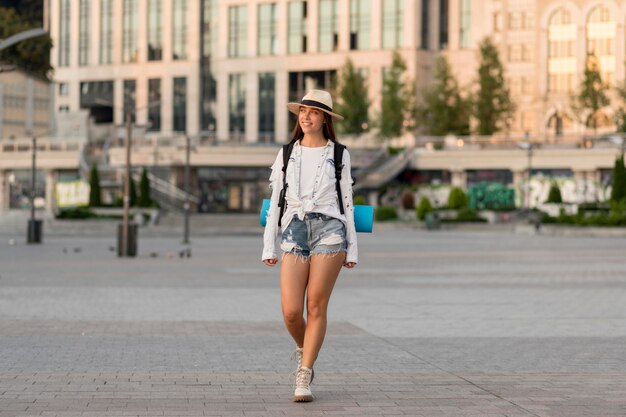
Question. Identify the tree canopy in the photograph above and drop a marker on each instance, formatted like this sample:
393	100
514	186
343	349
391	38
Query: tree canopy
397	113
353	102
32	55
442	109
592	94
492	106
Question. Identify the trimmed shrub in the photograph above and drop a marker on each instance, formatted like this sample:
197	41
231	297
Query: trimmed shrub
144	190
75	213
94	188
457	199
383	213
618	191
554	196
424	208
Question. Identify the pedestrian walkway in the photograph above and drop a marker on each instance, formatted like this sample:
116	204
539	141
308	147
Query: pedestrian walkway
429	324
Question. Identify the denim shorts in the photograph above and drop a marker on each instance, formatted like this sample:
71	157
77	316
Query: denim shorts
316	234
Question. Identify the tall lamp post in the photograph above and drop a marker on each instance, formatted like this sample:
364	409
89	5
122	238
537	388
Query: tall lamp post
187	203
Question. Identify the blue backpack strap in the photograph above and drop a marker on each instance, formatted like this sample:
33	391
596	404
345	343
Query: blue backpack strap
282	202
338	157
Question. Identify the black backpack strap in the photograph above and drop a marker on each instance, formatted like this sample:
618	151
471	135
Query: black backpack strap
339	148
282	202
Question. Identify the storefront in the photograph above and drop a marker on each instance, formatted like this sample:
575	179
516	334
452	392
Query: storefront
233	190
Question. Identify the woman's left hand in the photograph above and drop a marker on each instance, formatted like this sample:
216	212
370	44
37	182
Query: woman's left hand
349	265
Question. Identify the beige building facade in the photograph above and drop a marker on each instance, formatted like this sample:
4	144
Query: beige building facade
225	69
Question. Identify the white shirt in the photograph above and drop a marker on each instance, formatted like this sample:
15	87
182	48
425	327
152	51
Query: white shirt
323	197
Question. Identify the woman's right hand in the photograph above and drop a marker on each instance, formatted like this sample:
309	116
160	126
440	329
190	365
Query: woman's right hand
270	262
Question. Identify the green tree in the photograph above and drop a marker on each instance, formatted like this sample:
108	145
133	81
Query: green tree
144	190
424	208
443	110
353	102
94	188
492	106
398	100
32	55
30	10
620	115
618	188
591	96
554	195
457	199
132	193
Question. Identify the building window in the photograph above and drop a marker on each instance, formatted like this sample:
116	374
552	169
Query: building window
180	104
515	20
179	30
64	33
130	101
392	23
106	31
443	24
360	16
297	43
601	35
267	100
129	52
425	24
497	22
237	31
561	54
64	109
237	105
83	35
154	105
267	29
64	89
529	20
328	25
155	30
465	25
209	84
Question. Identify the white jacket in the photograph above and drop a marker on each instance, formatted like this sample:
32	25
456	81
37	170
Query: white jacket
325	201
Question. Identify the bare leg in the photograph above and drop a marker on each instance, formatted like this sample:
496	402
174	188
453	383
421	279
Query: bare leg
322	277
294	276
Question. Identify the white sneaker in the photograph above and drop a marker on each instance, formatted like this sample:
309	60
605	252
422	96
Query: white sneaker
297	356
303	393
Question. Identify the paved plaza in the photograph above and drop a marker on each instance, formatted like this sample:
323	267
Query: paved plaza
446	323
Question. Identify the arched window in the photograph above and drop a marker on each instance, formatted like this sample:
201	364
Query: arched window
561	52
601	32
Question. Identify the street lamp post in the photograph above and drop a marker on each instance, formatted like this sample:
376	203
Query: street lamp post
528	147
187	203
125	232
34	226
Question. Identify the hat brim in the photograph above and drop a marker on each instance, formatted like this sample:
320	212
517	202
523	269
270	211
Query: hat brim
295	109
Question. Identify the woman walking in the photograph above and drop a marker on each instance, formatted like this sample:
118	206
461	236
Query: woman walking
318	233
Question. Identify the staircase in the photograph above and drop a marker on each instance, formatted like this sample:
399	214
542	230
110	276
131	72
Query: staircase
383	170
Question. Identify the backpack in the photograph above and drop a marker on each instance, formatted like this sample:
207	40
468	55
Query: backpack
338	157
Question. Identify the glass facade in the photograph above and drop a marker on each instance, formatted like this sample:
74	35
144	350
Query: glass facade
237	105
155	30
179	30
180	105
328	25
129	32
208	82
425	25
392	26
64	33
360	26
130	100
561	52
237	31
465	25
601	35
154	104
106	31
267	29
267	101
84	31
443	24
297	39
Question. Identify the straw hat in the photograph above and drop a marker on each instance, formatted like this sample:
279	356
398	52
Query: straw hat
318	99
